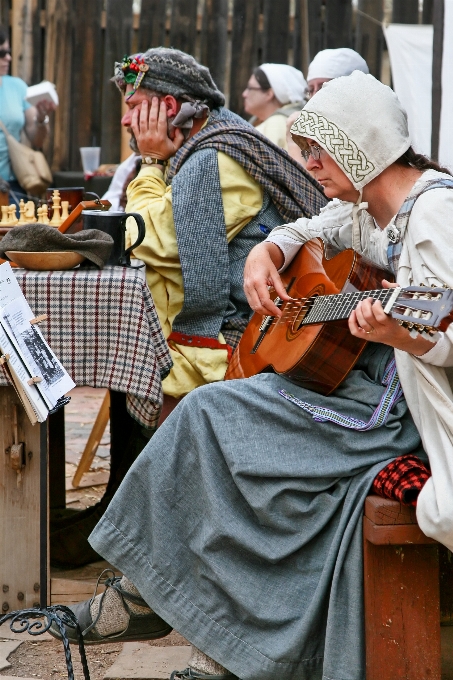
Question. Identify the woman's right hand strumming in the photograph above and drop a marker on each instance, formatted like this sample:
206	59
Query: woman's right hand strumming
260	273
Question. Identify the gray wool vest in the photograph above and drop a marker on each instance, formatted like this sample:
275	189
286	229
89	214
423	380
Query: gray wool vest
212	268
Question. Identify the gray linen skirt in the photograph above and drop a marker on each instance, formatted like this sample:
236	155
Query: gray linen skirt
240	522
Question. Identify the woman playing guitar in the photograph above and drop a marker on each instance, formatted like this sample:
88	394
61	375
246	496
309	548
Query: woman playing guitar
241	521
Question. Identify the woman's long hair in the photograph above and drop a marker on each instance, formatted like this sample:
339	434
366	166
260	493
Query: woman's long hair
420	162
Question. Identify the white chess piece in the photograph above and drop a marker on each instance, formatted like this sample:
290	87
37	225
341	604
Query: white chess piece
29	213
5	209
64	211
21	211
56	200
12	219
44	214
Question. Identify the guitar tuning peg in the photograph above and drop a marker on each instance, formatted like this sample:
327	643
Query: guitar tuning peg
433	285
422	285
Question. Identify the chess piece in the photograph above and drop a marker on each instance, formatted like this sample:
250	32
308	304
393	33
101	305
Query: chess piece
29	212
4	214
45	214
12	219
56	200
21	212
64	211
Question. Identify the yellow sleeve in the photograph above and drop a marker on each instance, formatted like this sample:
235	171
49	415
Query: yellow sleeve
274	128
150	196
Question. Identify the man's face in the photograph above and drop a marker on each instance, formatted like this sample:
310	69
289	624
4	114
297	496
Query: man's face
135	100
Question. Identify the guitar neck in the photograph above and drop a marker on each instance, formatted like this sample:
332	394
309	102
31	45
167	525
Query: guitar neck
326	308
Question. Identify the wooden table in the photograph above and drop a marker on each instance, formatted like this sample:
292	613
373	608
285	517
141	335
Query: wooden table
104	328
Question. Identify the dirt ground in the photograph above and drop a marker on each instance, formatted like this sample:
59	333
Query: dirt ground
45	659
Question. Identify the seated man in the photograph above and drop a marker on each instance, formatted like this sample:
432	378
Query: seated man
240	523
210	187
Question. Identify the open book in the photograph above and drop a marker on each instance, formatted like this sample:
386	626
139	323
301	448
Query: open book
39	378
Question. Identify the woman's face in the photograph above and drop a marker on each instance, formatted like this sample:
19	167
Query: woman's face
315	85
336	184
5	60
255	98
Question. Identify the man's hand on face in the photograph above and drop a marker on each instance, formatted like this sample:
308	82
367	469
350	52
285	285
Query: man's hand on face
150	127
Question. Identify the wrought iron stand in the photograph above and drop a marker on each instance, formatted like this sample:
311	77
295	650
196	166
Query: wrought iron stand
30	621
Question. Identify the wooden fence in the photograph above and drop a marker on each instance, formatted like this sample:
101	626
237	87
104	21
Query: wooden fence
74	44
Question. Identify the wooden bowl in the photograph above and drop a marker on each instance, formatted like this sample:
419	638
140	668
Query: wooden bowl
45	261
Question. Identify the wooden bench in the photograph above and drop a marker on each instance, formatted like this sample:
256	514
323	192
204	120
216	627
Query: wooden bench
401	588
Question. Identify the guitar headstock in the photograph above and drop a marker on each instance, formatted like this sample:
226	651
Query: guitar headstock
424	309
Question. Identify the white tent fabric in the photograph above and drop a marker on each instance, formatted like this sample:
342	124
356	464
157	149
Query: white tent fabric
446	115
411	58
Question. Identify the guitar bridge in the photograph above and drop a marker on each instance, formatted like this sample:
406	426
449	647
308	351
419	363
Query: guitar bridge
265	325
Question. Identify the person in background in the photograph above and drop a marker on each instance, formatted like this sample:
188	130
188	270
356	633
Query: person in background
18	115
274	92
330	64
327	65
124	174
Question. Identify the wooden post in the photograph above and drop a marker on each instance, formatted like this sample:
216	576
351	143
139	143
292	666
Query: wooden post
117	44
301	40
315	11
23	509
427	14
57	69
25	17
275	31
57	460
87	78
183	29
438	48
244	57
338	24
214	39
405	12
369	35
151	32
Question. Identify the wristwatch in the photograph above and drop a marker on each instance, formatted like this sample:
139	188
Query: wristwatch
149	160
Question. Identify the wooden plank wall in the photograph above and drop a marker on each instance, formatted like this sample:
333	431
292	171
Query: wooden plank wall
74	44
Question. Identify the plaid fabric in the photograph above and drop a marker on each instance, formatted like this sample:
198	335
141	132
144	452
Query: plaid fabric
402	479
104	328
293	191
396	232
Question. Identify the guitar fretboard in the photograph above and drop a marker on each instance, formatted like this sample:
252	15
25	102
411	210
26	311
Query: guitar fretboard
338	307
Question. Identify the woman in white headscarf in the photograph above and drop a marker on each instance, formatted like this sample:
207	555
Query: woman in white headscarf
330	64
240	524
274	92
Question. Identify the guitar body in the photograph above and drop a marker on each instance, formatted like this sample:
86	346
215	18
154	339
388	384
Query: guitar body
317	356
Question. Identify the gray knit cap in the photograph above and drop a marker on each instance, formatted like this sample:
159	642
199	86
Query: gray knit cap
172	72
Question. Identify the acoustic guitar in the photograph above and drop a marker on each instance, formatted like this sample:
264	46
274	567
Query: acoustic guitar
310	344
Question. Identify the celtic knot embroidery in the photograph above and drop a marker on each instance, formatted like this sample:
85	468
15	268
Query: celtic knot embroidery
336	142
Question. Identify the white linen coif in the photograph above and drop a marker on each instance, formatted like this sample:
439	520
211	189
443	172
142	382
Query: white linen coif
288	83
336	63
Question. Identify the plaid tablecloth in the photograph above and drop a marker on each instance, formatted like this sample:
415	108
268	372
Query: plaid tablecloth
104	328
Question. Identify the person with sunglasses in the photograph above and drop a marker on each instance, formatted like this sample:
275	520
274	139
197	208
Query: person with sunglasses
18	115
